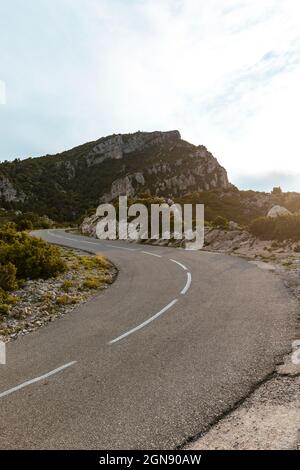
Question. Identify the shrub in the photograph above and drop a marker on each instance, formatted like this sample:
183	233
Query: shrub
91	262
101	261
286	227
32	257
67	285
297	249
8	276
24	224
66	300
30	220
263	228
92	283
8	232
4	309
220	222
5	301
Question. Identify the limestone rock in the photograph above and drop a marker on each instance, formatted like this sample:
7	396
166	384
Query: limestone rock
277	211
8	192
155	163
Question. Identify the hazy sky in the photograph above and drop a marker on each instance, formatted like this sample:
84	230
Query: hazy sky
225	73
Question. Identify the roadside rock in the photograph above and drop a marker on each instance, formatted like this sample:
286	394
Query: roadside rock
277	211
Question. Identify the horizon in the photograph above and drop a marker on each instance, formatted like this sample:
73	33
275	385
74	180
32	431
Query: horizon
225	74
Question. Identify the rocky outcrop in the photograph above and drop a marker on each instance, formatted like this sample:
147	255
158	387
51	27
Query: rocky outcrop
277	211
117	146
8	192
88	226
156	163
129	186
170	166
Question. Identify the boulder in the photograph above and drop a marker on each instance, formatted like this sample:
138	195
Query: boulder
277	211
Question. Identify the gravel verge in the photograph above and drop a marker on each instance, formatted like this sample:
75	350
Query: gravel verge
41	301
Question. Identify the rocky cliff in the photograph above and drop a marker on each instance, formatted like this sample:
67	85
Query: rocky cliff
65	185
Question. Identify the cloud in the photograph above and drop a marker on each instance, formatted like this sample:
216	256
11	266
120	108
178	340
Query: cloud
2	93
267	181
224	72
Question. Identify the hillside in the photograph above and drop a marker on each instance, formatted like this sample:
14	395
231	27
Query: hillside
65	185
241	206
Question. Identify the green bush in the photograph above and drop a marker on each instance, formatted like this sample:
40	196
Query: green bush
5	301
92	283
220	222
286	227
4	308
8	276
24	224
66	300
32	257
30	221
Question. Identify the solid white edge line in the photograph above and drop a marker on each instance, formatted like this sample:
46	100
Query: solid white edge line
179	264
151	254
188	284
167	307
37	379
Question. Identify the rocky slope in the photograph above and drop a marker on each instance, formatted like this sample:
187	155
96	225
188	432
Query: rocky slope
63	186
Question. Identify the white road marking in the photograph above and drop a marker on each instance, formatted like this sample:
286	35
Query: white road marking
152	254
37	379
179	264
92	243
167	307
122	248
188	284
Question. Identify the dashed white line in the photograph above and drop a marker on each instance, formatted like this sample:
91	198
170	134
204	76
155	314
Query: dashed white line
37	379
167	307
151	254
179	264
188	284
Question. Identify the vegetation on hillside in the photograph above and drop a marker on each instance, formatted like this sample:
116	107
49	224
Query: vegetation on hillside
285	227
24	221
65	185
240	206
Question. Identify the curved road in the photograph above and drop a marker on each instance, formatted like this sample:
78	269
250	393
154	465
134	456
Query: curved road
152	361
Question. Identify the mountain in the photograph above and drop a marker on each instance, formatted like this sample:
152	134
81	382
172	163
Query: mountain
64	185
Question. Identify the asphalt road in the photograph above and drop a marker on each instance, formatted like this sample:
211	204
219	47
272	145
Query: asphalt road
150	362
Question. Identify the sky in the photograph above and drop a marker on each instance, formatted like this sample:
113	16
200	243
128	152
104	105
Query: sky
225	73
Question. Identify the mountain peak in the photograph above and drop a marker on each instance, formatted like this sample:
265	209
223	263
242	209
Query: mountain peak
116	146
63	186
